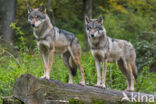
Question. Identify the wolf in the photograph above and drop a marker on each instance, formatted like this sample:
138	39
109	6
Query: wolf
105	49
51	40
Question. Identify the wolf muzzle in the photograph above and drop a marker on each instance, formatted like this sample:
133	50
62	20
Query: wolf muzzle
33	25
92	35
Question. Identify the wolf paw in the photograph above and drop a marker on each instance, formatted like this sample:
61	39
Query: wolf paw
97	85
129	90
100	86
70	82
82	83
45	77
103	86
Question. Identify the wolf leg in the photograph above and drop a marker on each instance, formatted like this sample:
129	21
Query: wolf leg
66	57
77	61
104	74
47	67
75	52
43	55
51	54
130	78
126	70
97	64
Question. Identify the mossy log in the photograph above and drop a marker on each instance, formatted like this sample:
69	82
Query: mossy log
32	90
11	100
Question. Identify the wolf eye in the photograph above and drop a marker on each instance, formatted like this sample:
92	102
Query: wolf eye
88	28
100	28
38	17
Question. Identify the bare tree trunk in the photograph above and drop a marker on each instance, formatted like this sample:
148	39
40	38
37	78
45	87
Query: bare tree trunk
8	9
153	67
50	12
1	19
87	7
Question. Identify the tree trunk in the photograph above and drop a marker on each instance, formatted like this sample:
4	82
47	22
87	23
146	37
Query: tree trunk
87	8
50	12
31	90
153	67
8	8
1	20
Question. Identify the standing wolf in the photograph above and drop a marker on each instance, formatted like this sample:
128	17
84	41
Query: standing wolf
105	49
52	40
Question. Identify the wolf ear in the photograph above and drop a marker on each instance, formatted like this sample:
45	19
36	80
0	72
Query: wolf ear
87	20
42	9
100	19
29	8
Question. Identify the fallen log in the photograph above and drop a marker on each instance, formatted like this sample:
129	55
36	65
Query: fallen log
11	100
32	90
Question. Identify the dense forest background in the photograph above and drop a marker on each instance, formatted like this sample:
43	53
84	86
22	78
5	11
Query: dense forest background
132	20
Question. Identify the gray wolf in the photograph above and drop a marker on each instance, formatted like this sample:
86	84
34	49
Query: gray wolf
105	49
51	39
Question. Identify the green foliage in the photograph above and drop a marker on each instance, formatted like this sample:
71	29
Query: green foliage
146	47
95	101
21	40
127	26
146	81
74	101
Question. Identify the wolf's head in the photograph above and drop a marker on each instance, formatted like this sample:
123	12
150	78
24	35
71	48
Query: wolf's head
36	16
94	27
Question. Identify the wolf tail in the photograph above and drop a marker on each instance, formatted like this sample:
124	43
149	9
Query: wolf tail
134	70
73	66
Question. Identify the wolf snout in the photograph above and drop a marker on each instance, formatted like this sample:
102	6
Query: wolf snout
92	35
33	25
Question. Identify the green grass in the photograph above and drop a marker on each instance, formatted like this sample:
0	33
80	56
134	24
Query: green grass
32	63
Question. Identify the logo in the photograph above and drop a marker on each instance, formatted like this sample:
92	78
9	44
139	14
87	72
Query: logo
137	97
125	98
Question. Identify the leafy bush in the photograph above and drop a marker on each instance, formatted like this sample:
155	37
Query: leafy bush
146	49
126	26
